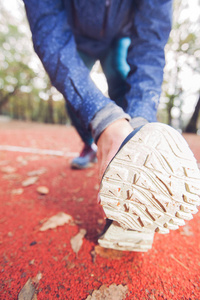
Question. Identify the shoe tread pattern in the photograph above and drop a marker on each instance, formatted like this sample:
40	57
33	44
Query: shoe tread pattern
153	183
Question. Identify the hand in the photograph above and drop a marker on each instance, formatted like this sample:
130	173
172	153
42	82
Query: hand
109	142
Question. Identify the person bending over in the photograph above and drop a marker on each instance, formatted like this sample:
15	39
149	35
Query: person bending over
147	186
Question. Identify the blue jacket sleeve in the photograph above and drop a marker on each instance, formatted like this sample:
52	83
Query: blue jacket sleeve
150	32
55	45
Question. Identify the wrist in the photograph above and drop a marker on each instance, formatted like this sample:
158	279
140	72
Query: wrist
106	117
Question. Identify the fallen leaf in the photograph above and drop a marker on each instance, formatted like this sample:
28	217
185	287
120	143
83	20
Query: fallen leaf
108	253
186	230
70	265
65	258
37	278
37	172
90	174
58	220
77	240
55	258
8	169
28	291
113	292
80	199
17	191
29	181
4	162
31	262
43	190
12	176
21	160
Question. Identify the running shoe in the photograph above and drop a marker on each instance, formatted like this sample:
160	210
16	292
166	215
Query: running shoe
86	159
151	185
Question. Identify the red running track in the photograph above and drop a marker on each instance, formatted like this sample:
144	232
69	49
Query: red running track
171	270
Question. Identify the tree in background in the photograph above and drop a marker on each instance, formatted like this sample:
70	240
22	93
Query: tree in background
26	92
14	70
181	84
25	89
192	126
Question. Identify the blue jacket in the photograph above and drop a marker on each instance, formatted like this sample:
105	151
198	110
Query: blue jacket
59	27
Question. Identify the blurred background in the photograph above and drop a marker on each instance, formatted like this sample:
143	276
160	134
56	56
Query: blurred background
26	92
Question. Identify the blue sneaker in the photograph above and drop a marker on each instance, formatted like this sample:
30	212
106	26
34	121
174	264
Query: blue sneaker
86	159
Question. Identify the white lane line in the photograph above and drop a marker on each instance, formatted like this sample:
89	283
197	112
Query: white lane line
37	151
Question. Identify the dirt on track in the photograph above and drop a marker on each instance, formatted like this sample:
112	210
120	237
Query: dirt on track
171	270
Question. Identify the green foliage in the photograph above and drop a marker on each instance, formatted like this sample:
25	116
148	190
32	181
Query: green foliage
182	71
25	90
26	93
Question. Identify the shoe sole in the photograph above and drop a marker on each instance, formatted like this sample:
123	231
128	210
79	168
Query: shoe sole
119	238
153	182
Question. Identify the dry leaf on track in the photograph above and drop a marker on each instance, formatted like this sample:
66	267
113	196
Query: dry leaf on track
58	220
28	292
4	162
70	265
37	278
43	190
37	172
113	292
8	169
90	173
29	181
17	191
21	160
77	240
186	230
80	199
12	176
